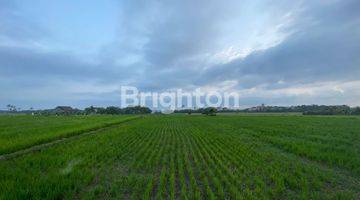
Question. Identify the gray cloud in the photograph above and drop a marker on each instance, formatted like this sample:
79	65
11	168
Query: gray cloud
179	38
323	48
22	62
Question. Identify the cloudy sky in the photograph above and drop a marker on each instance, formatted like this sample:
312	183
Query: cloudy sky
79	53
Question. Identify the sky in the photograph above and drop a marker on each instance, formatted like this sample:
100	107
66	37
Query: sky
80	53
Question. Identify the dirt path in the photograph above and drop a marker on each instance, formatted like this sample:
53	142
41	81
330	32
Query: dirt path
59	140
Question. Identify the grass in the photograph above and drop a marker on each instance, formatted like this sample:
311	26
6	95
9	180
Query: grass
262	113
22	131
196	157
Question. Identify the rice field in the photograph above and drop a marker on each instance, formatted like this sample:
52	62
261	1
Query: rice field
195	157
21	131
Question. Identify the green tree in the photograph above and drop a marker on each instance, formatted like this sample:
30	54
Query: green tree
11	108
210	111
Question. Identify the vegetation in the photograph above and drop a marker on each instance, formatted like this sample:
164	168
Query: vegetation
67	110
304	109
209	111
113	110
205	111
193	157
22	131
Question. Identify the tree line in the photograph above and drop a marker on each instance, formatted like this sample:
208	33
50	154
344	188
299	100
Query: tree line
206	111
113	110
67	110
304	109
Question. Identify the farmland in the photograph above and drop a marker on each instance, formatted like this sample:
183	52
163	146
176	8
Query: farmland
18	132
184	157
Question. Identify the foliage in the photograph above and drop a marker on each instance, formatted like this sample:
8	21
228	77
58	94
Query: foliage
355	111
112	110
67	110
11	108
136	110
211	111
206	111
305	109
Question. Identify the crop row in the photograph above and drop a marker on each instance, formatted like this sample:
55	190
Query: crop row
173	157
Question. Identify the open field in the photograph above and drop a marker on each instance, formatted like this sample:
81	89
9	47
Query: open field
250	113
22	131
191	157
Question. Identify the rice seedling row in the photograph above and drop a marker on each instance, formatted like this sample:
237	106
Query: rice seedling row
187	157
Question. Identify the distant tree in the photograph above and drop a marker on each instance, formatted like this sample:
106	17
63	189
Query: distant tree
112	110
355	111
90	110
136	110
100	110
11	108
211	111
